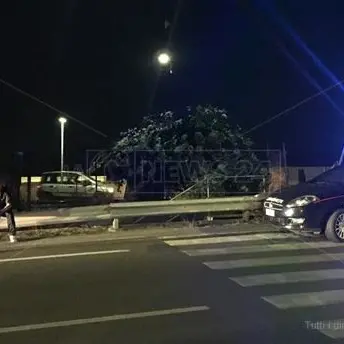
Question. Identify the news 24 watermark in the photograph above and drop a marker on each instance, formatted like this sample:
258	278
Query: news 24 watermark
337	325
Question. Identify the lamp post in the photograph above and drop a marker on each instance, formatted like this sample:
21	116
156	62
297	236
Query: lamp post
62	121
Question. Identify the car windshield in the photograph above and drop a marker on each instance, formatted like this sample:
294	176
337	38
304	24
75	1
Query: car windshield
335	175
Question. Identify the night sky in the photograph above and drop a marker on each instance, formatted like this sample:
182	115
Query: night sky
93	60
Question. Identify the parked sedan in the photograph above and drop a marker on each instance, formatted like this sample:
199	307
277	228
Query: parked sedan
317	205
69	185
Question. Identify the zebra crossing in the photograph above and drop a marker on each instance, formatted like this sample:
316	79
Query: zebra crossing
314	263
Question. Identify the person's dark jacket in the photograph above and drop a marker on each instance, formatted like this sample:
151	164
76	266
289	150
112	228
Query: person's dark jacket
5	201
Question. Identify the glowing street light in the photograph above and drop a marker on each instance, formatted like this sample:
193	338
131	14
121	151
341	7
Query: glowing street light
62	121
164	58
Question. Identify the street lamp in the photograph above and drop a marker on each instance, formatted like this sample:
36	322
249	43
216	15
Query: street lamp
164	58
62	121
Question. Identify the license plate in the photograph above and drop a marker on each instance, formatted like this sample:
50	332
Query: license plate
270	212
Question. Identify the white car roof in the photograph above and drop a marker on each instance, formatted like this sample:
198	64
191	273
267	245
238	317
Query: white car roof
64	172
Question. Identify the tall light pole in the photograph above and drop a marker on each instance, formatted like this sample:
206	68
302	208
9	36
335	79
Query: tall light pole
62	121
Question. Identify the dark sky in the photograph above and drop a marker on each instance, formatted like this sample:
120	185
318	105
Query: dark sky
93	60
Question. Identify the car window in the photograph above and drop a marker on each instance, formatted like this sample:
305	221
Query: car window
335	175
48	179
66	178
83	180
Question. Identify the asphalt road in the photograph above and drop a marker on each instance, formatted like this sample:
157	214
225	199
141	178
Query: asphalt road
262	288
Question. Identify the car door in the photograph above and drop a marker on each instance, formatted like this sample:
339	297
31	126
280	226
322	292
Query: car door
85	187
67	187
49	185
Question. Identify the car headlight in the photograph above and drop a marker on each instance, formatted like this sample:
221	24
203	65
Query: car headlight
302	201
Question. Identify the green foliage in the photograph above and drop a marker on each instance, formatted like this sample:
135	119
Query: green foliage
205	137
205	127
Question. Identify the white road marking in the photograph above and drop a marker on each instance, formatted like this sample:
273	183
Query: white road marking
289	277
198	235
260	248
272	261
310	299
330	328
96	320
281	301
66	255
229	238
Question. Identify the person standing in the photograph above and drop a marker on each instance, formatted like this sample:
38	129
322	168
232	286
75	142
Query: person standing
6	210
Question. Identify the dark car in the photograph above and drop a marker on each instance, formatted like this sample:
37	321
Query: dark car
317	205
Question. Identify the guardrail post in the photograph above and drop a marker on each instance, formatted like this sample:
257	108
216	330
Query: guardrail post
209	217
115	224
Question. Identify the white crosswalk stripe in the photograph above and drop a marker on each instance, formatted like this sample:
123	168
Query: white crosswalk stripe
331	328
261	252
294	246
227	239
289	277
310	299
245	263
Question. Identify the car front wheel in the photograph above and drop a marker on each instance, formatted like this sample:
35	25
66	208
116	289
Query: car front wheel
334	230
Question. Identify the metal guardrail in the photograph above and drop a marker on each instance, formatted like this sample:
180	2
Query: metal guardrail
59	217
172	207
67	211
115	211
